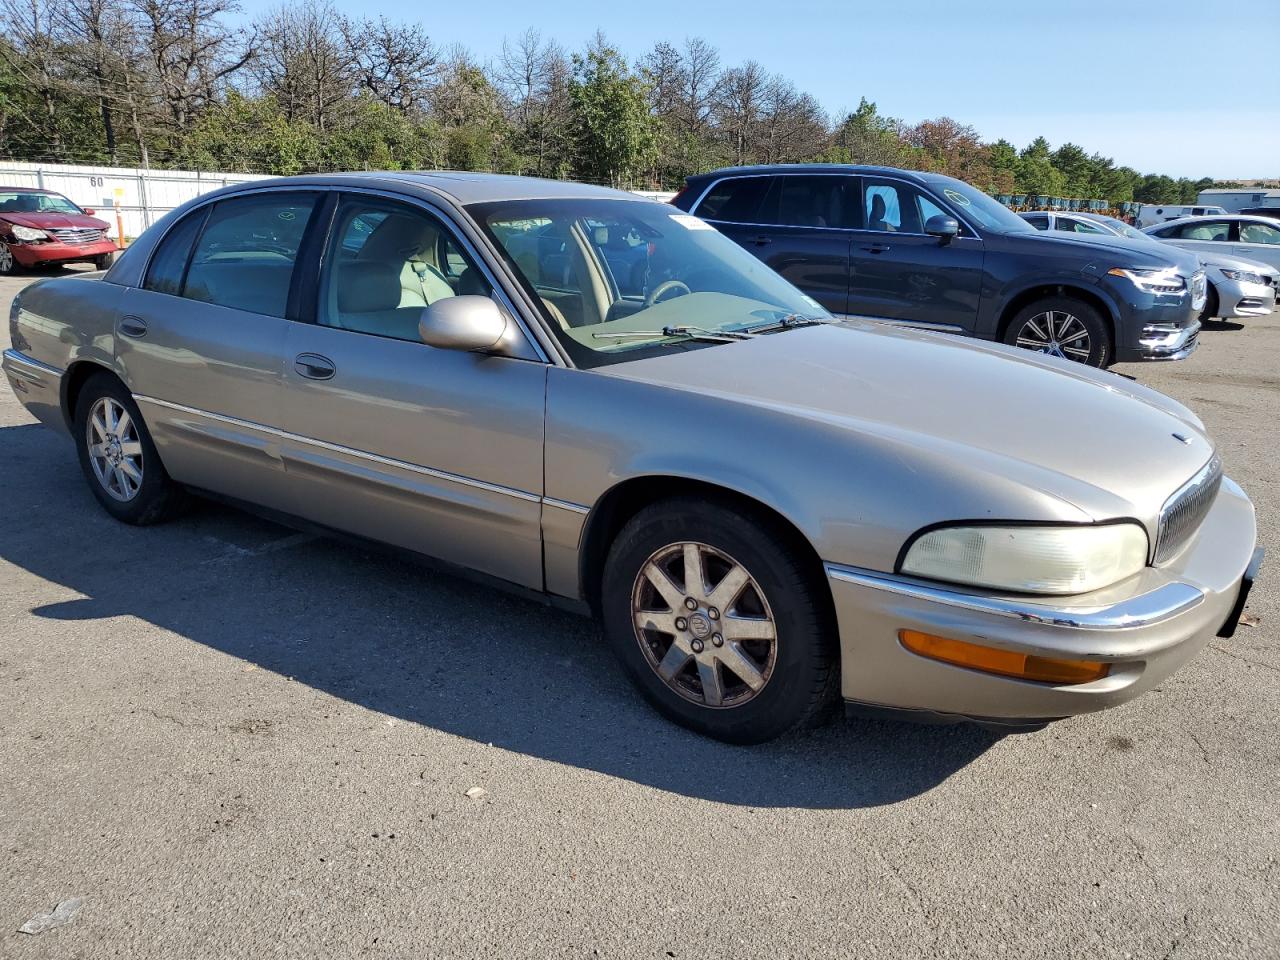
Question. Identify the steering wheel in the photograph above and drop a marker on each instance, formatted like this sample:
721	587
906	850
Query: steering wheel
654	295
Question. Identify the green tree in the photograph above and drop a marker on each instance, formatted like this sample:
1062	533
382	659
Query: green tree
1036	173
614	132
865	136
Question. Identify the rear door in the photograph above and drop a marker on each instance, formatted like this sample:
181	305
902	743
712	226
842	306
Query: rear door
200	341
901	273
1257	240
437	451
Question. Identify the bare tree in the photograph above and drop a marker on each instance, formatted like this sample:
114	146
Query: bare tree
304	61
395	62
32	53
792	126
738	106
533	75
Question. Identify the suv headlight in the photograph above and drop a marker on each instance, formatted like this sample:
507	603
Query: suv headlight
1243	276
1030	559
27	234
1152	281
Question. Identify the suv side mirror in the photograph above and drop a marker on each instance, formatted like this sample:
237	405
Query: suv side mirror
943	227
469	322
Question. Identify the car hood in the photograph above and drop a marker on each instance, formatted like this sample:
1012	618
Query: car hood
1112	251
1096	440
54	221
1235	263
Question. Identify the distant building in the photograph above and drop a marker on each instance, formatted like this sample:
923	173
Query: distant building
1233	201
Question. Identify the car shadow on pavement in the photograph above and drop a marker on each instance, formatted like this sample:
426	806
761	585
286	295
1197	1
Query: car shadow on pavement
423	646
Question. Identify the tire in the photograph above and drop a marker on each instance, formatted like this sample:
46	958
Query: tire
1210	305
156	498
1029	329
104	262
795	676
8	263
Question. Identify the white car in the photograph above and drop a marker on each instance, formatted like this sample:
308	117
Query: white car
1254	238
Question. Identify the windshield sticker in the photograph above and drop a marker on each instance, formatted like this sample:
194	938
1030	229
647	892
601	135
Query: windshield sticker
691	223
956	197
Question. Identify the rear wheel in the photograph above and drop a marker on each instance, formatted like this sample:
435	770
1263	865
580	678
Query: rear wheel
1062	327
715	617
118	456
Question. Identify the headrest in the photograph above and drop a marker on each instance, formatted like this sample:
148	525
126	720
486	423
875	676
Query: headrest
366	286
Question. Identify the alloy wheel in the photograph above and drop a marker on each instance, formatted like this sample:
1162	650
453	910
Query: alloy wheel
1057	333
6	259
115	450
704	625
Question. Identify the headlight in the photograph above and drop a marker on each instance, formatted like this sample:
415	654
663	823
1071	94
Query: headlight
1243	276
1152	281
27	235
1028	559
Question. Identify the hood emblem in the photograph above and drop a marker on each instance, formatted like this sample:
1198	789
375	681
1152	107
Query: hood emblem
1181	438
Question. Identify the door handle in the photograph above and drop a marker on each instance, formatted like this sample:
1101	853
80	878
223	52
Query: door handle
314	367
134	327
875	248
761	241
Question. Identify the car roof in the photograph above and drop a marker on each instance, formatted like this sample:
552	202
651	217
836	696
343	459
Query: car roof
1243	218
28	190
461	186
769	169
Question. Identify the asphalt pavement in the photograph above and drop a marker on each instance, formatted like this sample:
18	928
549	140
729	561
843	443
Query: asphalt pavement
232	740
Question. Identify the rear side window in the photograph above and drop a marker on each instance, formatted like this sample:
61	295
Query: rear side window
244	258
169	262
817	201
734	201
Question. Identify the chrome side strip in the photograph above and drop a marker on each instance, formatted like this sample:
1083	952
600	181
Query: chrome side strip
1159	605
349	451
28	368
566	505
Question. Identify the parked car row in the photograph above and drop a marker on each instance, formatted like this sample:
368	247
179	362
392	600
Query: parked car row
603	401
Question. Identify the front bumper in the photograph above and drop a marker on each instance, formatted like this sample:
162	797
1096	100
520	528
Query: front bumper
54	251
1146	628
1236	299
1155	326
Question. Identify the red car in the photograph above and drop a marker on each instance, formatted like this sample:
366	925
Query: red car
39	227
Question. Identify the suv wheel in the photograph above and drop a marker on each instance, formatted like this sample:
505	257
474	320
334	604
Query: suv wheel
718	622
1062	327
118	457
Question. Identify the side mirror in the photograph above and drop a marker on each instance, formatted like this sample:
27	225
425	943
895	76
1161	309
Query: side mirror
943	227
471	323
89	211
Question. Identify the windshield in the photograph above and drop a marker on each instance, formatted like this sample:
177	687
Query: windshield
24	202
977	207
614	277
1123	229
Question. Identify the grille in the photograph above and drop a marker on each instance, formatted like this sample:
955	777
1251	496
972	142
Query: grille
1185	510
76	235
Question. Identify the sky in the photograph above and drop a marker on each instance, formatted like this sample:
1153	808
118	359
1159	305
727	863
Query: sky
1164	87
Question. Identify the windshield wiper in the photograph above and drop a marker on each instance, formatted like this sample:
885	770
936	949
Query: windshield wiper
789	322
684	333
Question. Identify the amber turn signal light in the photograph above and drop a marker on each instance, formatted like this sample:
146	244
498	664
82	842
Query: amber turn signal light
1006	663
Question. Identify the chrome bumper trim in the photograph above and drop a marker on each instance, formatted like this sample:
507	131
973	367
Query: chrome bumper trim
1169	343
20	365
1159	605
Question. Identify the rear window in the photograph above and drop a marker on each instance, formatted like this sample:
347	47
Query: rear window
736	200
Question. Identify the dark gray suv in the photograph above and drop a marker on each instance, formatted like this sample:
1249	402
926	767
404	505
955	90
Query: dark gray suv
933	251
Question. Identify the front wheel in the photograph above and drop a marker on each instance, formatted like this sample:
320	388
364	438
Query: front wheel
716	617
1062	327
8	265
118	456
104	262
1210	305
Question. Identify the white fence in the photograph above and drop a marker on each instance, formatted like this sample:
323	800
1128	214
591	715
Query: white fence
143	196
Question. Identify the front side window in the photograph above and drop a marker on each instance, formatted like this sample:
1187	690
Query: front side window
617	278
1259	233
1038	220
386	262
245	256
737	200
812	201
1072	225
1219	230
895	207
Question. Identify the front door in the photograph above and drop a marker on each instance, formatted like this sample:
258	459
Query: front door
901	273
199	343
437	451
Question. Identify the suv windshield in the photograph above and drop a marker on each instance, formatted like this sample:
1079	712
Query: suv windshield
24	202
976	206
614	277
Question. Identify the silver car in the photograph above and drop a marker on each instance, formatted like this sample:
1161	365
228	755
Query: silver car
1254	238
601	401
1237	287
